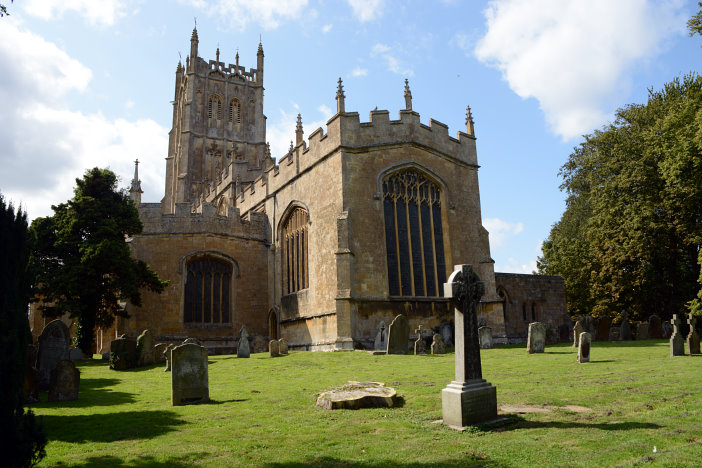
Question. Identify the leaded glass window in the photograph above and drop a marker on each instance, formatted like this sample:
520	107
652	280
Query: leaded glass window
295	238
207	291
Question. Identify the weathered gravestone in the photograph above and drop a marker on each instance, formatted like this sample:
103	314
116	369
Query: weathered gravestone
667	330
614	334
485	337
437	345
123	353
677	344
158	352
192	341
381	338
189	379
145	348
469	399
446	330
64	382
655	330
577	330
536	339
693	338
625	329
274	348
603	326
398	335
584	347
552	335
30	386
243	350
167	357
357	395
283	346
589	325
420	347
642	331
75	354
53	348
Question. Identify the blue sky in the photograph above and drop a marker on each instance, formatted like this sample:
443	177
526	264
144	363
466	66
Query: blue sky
87	83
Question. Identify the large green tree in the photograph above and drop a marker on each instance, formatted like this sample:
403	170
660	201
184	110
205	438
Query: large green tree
631	233
22	439
81	261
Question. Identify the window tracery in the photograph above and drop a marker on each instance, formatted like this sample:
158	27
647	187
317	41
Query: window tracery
294	236
207	291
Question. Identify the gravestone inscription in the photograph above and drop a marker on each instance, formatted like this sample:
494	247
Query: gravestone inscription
398	335
485	337
189	377
536	339
53	348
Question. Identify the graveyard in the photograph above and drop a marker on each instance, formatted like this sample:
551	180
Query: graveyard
630	397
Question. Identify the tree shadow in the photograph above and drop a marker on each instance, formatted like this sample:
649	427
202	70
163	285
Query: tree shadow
110	427
466	460
92	392
148	460
514	422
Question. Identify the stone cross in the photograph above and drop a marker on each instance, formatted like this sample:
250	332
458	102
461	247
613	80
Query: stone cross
418	331
419	345
468	399
677	344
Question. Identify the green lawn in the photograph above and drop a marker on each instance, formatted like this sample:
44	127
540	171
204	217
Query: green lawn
263	412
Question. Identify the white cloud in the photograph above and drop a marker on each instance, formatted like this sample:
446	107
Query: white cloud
367	10
326	28
46	145
501	230
97	12
392	63
129	104
325	111
358	71
239	13
572	56
514	266
282	132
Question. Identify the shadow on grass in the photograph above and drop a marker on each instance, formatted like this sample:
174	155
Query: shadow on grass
110	427
174	462
469	459
92	392
514	422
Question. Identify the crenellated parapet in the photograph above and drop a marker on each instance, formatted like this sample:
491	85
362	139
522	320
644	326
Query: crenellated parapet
231	72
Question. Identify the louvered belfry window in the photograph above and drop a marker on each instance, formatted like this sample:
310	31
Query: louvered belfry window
295	240
413	234
207	291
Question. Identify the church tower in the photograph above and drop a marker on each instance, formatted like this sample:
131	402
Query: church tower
218	123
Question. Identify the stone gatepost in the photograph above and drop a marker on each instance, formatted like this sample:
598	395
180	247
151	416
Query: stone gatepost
469	399
677	344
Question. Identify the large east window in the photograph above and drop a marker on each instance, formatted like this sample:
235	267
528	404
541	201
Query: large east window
295	238
413	234
208	291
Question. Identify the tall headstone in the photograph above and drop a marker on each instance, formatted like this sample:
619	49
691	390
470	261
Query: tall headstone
145	348
398	335
485	337
420	347
283	346
693	338
381	338
30	386
577	330
655	330
536	339
469	399
189	378
642	331
625	329
603	326
53	348
437	345
584	347
677	344
274	348
64	382
243	350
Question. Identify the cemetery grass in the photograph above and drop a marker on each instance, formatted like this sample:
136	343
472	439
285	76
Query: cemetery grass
263	412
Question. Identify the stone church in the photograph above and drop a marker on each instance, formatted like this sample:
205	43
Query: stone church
357	223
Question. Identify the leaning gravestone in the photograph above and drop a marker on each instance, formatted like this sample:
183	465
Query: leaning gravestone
30	386
53	348
577	330
145	348
398	335
469	399
655	330
158	352
693	338
536	339
381	338
243	350
603	326
123	353
642	331
274	348
677	344
584	347
283	346
65	380
189	379
167	357
625	329
437	345
485	337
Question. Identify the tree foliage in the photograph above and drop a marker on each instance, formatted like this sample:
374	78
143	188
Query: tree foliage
22	441
81	260
3	9
694	24
631	234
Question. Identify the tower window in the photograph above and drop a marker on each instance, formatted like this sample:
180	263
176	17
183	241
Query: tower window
234	111
413	234
294	236
214	107
207	291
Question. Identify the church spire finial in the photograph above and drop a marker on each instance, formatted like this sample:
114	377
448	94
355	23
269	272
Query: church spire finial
298	131
340	98
135	190
469	122
237	59
217	53
408	96
193	43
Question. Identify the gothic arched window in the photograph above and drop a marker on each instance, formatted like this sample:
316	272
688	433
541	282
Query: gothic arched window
214	107
294	237
413	234
234	111
207	291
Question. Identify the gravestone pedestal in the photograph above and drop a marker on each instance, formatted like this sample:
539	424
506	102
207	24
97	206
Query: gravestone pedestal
469	399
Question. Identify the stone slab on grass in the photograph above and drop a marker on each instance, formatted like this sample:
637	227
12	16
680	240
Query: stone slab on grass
357	395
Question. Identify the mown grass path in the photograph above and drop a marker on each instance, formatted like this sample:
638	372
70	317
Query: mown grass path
263	414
